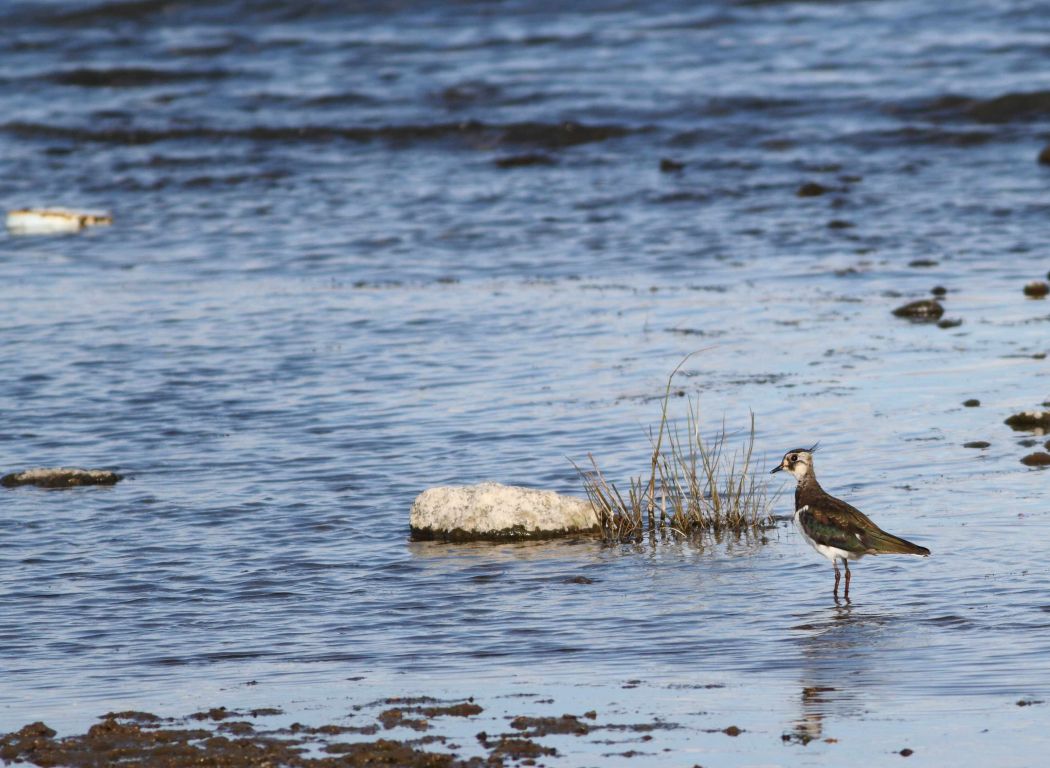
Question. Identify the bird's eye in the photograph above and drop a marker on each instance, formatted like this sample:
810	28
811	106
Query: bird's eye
793	457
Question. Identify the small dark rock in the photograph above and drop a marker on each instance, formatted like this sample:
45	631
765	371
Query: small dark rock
1037	289
1029	420
923	310
1044	156
906	752
977	444
1037	459
949	322
579	580
920	263
732	731
939	290
973	402
1029	443
522	161
667	165
840	224
811	189
1029	702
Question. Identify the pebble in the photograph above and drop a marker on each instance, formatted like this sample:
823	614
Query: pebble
1037	459
811	189
923	309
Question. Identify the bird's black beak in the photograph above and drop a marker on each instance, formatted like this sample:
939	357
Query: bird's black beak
775	469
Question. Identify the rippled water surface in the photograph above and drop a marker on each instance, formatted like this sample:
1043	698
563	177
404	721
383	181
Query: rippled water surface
361	251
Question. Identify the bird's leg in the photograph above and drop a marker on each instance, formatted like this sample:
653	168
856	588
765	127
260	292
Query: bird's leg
845	562
835	565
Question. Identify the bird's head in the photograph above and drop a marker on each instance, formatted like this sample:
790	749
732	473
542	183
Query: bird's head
798	462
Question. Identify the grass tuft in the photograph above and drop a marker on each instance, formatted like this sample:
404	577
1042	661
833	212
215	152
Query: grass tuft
695	484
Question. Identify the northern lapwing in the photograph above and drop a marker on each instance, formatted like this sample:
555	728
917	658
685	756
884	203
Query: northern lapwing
831	526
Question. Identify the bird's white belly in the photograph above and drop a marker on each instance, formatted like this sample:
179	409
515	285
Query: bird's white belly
831	553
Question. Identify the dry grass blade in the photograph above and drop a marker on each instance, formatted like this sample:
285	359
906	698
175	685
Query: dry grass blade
696	483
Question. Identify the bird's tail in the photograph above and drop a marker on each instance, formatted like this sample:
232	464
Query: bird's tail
888	544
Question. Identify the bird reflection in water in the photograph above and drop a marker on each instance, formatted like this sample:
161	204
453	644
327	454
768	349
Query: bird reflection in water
837	655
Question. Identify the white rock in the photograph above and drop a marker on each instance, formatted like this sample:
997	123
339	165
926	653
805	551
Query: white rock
53	221
494	511
60	477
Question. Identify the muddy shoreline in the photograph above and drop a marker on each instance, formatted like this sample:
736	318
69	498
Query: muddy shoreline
418	729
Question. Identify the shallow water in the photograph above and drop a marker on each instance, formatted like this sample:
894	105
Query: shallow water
323	294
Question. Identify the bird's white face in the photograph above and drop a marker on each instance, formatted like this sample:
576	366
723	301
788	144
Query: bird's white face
798	462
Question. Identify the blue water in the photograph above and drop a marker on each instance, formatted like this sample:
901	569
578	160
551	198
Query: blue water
360	251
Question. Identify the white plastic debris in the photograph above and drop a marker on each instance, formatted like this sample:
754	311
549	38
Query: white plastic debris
53	221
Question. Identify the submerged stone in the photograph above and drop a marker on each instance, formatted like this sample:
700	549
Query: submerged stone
925	310
977	444
60	477
1037	459
521	161
495	512
811	189
1037	289
1029	421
